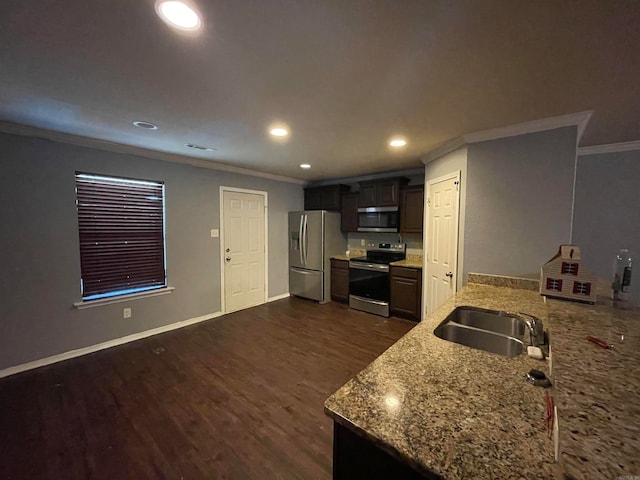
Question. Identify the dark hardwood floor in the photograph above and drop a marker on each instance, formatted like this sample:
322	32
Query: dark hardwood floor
240	396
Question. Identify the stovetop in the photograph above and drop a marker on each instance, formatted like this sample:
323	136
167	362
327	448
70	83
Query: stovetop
383	253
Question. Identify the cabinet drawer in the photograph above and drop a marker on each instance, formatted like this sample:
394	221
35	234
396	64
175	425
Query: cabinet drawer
341	264
405	272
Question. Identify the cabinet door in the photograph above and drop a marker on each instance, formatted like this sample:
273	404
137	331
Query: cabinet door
412	209
349	220
367	196
313	199
339	280
332	198
406	292
387	193
327	197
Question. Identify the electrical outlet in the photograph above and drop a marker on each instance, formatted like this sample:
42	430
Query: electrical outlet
126	312
215	233
363	242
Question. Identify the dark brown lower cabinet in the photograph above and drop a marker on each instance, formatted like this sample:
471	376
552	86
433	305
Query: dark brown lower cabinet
339	280
356	458
406	292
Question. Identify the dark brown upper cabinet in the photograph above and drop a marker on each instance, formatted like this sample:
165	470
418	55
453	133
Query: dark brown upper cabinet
349	221
412	209
328	197
381	193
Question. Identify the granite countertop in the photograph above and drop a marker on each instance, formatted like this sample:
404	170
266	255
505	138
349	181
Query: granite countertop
464	413
597	390
412	261
350	255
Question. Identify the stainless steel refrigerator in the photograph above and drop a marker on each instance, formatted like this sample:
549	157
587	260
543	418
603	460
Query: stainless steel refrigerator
314	236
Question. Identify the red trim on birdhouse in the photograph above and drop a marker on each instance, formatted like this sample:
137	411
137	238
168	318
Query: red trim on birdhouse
570	268
554	284
580	288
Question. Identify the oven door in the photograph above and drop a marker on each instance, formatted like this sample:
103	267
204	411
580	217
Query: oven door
378	219
369	280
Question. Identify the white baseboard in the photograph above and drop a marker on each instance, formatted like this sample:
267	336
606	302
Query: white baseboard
101	346
278	297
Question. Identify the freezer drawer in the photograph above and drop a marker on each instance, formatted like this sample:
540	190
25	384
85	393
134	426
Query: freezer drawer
306	283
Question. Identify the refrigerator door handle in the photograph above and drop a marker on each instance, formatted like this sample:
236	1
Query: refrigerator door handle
305	239
303	272
300	233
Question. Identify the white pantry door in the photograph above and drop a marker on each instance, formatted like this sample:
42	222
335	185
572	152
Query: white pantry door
244	252
442	239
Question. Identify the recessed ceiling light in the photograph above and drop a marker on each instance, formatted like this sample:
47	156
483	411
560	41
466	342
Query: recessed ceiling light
279	132
200	147
305	165
397	142
145	125
178	15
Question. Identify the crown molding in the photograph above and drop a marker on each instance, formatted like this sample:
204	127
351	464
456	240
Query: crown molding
68	138
609	148
579	119
443	149
364	178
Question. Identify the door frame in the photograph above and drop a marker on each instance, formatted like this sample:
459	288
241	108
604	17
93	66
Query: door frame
223	307
456	174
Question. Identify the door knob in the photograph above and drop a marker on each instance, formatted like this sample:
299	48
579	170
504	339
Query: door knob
228	259
449	274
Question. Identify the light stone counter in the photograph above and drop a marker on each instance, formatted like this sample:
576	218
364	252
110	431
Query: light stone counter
463	413
350	255
412	261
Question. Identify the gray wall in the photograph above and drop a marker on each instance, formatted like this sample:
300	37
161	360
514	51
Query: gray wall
39	246
518	201
607	213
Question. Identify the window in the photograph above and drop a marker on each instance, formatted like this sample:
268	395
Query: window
554	284
569	268
582	288
121	230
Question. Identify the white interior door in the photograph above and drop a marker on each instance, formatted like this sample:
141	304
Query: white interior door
442	239
243	250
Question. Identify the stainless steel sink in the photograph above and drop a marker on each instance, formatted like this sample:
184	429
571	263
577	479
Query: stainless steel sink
488	330
491	320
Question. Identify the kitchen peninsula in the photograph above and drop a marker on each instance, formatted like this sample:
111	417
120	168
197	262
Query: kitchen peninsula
444	410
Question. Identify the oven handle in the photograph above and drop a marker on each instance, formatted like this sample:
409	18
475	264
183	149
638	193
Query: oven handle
374	267
378	229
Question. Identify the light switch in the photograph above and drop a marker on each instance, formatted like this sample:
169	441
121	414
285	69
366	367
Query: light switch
215	233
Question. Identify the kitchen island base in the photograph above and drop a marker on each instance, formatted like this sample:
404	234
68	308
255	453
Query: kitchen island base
356	458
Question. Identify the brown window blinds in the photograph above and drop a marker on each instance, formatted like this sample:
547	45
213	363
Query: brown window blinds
121	229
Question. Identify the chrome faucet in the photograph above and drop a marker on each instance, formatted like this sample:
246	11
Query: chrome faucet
534	325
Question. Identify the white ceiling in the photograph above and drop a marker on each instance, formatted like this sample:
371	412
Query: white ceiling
344	74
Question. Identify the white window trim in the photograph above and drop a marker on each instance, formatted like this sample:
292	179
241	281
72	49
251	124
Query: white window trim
123	298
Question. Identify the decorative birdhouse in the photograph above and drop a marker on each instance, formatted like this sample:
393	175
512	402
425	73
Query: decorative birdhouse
566	276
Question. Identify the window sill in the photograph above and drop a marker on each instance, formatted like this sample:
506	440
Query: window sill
123	298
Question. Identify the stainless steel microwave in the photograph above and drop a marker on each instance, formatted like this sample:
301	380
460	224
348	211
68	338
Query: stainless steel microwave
378	219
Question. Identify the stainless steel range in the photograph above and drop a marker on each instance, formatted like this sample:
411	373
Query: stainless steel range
369	283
